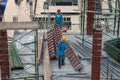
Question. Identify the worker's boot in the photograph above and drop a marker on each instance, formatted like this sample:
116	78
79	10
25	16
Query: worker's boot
59	65
63	60
63	63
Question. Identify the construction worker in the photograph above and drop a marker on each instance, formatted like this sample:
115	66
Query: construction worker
61	48
59	18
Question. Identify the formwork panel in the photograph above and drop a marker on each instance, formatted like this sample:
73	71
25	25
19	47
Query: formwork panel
112	48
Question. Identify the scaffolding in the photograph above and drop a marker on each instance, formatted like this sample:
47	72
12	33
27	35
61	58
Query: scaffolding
33	29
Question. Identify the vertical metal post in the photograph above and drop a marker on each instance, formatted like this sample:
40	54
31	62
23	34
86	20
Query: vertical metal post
107	68
81	15
35	6
83	22
111	74
46	10
36	56
118	19
79	8
115	17
49	17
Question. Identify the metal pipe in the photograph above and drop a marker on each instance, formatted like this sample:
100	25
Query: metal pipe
115	17
35	6
81	15
118	20
83	22
36	56
107	68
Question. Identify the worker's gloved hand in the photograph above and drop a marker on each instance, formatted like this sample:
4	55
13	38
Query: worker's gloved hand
65	29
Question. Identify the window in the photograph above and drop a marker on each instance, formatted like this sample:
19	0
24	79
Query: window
46	19
52	19
42	19
64	19
68	19
64	2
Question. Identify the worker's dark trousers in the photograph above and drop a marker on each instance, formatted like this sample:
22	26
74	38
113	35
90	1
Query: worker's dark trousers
61	60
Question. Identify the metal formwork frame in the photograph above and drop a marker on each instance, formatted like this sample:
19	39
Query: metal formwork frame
32	29
36	51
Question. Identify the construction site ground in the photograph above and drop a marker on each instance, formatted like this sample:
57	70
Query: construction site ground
67	72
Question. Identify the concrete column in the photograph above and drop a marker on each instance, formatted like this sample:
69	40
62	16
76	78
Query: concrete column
90	16
4	58
96	52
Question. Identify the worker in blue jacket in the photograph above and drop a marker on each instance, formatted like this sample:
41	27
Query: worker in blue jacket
61	48
59	18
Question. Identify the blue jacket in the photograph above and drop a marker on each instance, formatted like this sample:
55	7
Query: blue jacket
58	19
61	47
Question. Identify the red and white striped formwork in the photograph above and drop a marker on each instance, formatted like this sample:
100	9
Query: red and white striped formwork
51	44
57	33
75	61
54	36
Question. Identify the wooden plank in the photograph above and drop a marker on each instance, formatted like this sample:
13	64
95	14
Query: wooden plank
18	25
46	66
40	42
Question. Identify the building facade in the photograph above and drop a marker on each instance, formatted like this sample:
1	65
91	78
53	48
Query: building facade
69	9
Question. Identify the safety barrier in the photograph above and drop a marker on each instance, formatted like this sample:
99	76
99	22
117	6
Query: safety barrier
51	48
53	36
